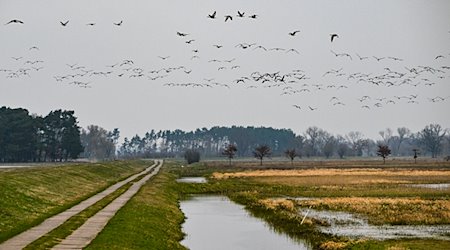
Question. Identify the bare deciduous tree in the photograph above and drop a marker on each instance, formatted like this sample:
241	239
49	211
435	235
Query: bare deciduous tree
386	135
262	151
291	154
403	133
329	144
230	151
431	138
357	142
98	143
383	151
312	134
342	147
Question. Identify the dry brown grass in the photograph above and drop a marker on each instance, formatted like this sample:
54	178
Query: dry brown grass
279	203
397	248
332	245
308	163
389	210
333	172
342	178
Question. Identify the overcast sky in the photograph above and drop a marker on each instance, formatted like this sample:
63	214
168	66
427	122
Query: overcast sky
397	72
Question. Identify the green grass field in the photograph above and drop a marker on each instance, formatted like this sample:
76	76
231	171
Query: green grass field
150	220
30	195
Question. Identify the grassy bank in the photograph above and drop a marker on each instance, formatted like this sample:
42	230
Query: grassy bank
150	220
58	234
30	195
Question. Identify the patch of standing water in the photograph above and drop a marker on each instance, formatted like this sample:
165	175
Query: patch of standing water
350	225
432	186
215	222
192	180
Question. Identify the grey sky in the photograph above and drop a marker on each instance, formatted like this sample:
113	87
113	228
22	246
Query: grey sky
414	31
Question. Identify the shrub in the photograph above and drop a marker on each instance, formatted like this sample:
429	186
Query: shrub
192	156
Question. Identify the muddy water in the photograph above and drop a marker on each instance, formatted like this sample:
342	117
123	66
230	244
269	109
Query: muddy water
215	222
347	224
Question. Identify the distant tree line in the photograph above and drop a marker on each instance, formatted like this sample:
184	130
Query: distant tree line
57	137
432	140
32	138
209	142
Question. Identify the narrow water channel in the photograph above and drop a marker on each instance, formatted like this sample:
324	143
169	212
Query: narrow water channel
215	222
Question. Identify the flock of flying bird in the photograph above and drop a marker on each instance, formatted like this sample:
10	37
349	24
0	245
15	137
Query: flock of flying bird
290	83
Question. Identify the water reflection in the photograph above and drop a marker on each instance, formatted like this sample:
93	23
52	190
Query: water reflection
347	224
192	180
214	222
439	186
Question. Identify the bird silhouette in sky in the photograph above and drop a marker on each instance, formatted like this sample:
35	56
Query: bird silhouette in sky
293	33
260	47
181	34
395	58
213	15
334	98
392	75
378	58
362	57
14	21
334	36
292	50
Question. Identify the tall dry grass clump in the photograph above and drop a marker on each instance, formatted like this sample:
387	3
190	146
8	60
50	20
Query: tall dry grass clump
280	203
332	245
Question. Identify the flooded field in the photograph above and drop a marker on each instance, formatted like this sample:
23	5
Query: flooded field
215	222
351	225
439	186
379	208
192	180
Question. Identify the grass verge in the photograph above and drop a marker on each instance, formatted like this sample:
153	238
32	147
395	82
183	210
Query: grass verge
31	195
58	234
150	220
